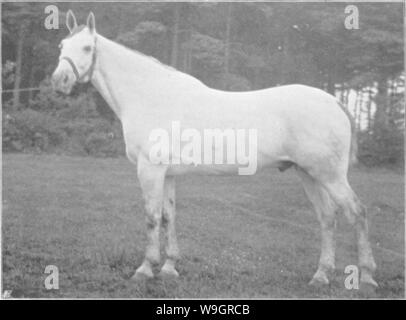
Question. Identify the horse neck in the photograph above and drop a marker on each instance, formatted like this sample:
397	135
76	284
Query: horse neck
120	70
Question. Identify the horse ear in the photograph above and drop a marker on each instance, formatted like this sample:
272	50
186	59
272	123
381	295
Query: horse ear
91	22
71	21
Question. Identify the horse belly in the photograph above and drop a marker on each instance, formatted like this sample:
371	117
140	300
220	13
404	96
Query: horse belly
203	169
262	161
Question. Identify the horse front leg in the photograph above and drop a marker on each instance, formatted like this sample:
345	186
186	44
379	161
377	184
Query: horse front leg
151	178
168	225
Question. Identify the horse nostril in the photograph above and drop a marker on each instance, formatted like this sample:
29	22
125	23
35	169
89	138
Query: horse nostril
65	79
55	81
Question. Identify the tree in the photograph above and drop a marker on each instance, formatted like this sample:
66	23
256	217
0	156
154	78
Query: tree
18	21
175	38
233	46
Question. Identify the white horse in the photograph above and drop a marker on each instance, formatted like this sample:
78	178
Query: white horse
297	126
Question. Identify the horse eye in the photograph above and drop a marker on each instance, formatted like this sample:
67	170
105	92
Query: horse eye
87	48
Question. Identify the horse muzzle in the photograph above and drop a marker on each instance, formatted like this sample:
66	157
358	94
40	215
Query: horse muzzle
63	81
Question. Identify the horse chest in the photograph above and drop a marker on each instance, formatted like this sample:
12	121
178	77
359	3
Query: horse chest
132	142
136	138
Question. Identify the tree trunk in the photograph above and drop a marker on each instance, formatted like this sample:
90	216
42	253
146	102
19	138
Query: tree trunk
31	84
392	99
19	60
330	82
286	54
342	93
369	106
175	38
227	40
360	111
256	83
187	54
357	111
347	93
381	102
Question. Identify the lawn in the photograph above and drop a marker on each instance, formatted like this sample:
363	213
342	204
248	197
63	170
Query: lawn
240	237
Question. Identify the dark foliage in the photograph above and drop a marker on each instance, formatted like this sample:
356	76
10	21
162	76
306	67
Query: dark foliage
239	46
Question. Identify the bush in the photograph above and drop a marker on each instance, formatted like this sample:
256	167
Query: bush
61	124
100	144
71	107
383	148
34	131
30	130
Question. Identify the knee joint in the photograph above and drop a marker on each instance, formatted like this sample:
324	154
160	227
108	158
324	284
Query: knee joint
362	211
152	222
165	219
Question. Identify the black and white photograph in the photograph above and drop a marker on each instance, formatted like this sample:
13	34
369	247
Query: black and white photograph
203	150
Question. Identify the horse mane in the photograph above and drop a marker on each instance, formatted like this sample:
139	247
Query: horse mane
153	60
80	28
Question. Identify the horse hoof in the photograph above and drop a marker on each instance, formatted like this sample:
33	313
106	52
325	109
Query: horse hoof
319	282
168	274
141	276
368	289
367	279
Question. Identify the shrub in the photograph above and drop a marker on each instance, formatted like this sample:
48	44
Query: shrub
100	144
385	148
30	130
62	124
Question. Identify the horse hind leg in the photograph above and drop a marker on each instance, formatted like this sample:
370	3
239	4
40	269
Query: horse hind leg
326	214
168	224
356	214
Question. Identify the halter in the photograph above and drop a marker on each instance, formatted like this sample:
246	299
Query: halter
89	71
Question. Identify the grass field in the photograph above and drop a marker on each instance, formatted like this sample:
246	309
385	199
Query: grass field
240	237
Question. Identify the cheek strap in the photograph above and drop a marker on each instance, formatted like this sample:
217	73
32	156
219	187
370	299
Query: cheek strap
72	64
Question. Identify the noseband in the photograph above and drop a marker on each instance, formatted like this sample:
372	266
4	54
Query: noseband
89	72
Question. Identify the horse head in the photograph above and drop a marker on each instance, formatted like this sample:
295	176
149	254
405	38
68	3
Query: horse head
78	54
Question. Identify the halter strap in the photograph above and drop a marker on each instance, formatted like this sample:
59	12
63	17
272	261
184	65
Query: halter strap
89	71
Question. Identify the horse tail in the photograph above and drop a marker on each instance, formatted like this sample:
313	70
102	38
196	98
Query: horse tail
354	144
